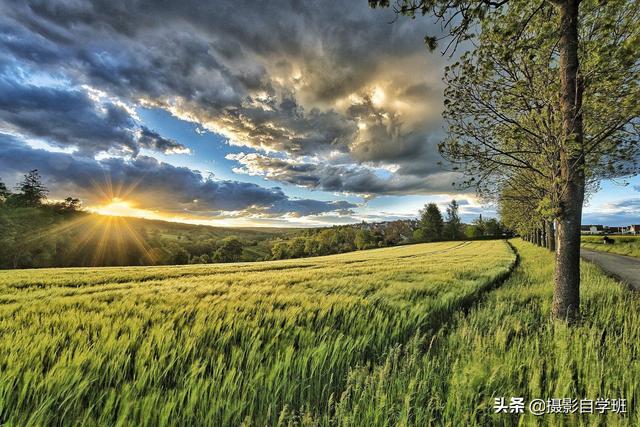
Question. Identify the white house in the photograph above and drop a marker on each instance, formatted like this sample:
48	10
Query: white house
592	229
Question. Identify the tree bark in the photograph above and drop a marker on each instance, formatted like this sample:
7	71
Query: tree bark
551	238
566	293
540	237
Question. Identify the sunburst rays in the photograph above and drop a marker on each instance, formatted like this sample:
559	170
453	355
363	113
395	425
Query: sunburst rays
105	239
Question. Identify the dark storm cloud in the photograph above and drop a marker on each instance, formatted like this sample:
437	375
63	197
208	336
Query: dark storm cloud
290	76
152	184
148	138
69	117
343	178
306	207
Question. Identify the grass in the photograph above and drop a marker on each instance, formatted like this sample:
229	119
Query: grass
624	245
254	343
381	337
506	346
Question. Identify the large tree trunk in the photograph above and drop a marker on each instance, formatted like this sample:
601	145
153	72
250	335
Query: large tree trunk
566	293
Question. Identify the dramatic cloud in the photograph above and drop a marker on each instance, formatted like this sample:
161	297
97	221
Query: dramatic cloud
342	178
306	79
619	212
74	117
154	185
628	205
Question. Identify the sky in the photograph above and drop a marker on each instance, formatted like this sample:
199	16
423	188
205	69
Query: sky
242	113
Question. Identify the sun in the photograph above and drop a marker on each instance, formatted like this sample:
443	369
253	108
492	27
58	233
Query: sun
118	207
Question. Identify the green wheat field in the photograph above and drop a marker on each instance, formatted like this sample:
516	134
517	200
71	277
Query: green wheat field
423	334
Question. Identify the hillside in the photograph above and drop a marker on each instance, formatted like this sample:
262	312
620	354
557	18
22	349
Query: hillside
49	237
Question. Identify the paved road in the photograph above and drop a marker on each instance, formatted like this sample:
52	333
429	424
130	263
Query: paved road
624	268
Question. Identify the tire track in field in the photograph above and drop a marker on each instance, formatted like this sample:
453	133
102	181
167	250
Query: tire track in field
475	299
151	277
437	323
437	319
458	246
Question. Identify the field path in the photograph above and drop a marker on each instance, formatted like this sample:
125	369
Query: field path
624	268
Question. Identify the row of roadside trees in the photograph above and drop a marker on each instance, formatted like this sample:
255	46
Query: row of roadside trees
541	108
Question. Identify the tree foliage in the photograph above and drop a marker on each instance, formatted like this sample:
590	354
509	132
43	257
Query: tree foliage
32	190
502	103
4	192
453	225
430	224
548	93
229	251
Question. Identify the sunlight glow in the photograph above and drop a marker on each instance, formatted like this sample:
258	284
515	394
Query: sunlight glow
378	97
119	207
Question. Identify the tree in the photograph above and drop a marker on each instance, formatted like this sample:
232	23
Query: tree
472	231
524	208
363	239
69	204
280	250
32	191
452	229
297	246
180	256
4	192
492	228
201	259
480	227
312	247
7	238
607	72
230	250
396	232
431	223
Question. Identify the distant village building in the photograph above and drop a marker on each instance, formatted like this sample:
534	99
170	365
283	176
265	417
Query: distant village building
604	229
592	229
615	230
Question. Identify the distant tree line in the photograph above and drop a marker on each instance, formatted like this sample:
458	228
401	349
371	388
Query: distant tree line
344	238
36	232
430	227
